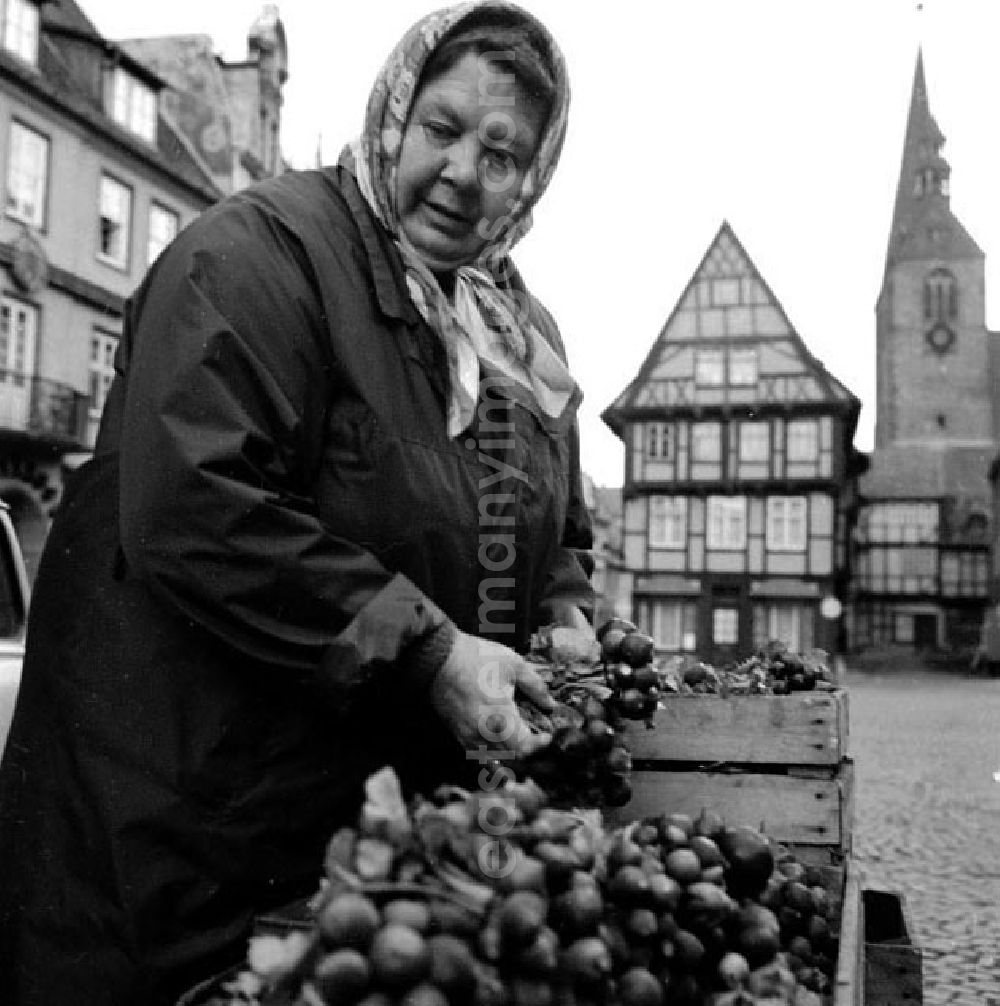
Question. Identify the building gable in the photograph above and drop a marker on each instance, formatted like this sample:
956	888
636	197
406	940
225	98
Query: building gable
728	342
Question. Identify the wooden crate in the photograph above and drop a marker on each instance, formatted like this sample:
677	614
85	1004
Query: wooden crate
773	761
808	812
804	728
893	972
877	961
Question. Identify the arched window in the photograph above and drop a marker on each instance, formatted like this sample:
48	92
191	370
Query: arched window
940	297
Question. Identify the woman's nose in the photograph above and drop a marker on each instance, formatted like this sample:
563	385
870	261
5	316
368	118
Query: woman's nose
462	167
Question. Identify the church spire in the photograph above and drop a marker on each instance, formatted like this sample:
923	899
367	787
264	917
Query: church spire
923	225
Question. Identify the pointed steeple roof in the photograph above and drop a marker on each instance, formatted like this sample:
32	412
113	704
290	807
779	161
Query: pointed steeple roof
728	308
923	225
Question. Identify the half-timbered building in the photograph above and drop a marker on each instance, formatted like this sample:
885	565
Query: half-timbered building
739	469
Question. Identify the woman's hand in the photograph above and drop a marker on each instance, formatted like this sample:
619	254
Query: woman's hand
474	690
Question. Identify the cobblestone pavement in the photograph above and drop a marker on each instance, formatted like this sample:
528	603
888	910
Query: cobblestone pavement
926	749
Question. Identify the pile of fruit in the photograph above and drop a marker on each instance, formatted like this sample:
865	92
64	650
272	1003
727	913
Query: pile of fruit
597	687
773	670
496	899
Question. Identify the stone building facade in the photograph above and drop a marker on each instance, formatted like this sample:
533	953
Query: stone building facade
106	152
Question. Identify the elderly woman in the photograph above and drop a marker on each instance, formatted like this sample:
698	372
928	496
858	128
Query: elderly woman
335	490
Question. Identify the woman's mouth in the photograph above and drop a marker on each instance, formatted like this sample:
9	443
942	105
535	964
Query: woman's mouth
449	218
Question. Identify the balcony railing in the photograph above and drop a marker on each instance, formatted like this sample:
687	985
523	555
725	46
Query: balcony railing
42	408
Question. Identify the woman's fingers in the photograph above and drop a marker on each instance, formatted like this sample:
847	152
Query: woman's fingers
528	681
531	742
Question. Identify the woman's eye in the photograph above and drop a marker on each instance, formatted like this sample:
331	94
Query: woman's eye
501	160
438	130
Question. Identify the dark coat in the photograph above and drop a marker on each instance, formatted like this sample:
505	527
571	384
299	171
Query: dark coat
218	641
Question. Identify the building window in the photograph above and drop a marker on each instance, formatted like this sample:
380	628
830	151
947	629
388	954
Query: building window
27	175
667	521
789	623
670	623
899	570
101	373
132	104
725	626
727	523
902	628
163	227
18	330
803	440
659	442
786	523
18	325
902	523
116	214
964	574
706	442
755	441
940	297
20	29
743	367
709	368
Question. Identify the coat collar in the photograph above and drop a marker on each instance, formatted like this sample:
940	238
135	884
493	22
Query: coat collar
386	264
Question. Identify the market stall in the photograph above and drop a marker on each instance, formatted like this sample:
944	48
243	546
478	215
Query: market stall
680	845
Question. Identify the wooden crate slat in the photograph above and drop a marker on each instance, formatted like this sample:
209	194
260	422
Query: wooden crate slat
800	811
848	981
806	728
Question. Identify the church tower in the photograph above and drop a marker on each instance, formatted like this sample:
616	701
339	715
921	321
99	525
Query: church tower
921	539
932	346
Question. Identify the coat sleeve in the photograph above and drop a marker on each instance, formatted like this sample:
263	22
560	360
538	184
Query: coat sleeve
568	580
222	424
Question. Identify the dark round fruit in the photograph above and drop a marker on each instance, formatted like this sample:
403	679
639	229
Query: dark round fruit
646	678
637	649
619	759
399	957
342	975
632	704
759	944
452	965
638	987
688	950
348	920
611	643
424	994
519	920
579	911
642	923
750	859
622	625
706	850
587	962
664	892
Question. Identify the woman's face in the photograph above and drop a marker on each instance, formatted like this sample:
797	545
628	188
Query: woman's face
470	139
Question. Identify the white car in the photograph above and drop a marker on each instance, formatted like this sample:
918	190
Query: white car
14	595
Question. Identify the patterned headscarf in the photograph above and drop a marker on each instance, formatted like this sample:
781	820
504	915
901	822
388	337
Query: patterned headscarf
482	325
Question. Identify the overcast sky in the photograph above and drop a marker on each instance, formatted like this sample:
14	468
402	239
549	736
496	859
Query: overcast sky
784	117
